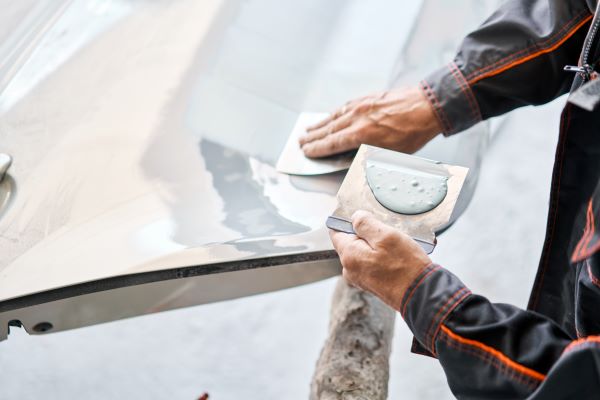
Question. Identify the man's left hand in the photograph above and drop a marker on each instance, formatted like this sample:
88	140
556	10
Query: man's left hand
379	258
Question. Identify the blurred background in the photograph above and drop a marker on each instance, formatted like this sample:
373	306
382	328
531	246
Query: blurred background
318	54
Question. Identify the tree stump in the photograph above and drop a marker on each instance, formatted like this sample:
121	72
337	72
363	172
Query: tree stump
354	362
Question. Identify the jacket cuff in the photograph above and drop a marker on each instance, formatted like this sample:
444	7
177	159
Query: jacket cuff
452	99
428	302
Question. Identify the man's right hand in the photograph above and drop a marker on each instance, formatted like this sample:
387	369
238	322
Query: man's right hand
399	119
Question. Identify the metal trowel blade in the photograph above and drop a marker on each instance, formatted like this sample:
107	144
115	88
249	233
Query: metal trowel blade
345	226
292	160
355	194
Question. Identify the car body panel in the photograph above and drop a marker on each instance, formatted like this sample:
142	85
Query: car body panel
144	136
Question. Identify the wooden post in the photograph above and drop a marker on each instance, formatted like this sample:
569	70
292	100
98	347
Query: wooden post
354	362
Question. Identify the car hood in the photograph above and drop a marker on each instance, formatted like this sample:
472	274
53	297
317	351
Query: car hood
144	134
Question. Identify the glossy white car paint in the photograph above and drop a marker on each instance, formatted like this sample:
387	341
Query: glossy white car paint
144	136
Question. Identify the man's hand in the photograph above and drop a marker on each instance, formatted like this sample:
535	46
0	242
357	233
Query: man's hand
379	258
400	119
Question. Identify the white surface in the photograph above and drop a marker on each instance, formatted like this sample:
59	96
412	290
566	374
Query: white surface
292	160
144	133
5	161
265	347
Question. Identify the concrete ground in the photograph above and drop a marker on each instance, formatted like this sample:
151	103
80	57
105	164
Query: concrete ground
265	347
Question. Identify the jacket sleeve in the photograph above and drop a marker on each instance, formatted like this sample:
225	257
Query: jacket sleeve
515	58
576	375
491	350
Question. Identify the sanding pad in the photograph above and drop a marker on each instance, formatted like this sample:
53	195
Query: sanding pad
356	194
292	160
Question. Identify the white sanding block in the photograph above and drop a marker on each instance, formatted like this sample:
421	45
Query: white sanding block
292	160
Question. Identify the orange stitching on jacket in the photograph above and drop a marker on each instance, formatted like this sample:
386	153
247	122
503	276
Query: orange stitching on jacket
530	56
592	249
589	234
585	250
565	125
594	280
494	362
535	46
414	282
464	87
579	342
528	49
416	350
450	309
439	311
412	292
497	354
485	357
592	226
439	111
586	232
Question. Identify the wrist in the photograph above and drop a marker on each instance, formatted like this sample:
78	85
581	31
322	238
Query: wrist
398	284
425	119
411	118
429	301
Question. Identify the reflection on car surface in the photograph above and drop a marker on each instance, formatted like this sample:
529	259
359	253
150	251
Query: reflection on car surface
144	137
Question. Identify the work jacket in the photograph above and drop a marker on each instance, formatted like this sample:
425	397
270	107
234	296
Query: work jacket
552	349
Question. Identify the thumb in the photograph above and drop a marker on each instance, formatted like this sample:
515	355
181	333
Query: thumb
369	228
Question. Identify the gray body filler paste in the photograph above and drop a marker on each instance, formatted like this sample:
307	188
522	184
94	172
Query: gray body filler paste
403	189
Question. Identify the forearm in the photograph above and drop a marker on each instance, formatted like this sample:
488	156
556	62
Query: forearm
485	349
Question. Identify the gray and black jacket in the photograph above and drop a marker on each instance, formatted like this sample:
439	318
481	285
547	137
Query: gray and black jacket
552	349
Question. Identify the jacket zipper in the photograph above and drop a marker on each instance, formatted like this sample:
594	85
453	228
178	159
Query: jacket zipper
590	41
586	68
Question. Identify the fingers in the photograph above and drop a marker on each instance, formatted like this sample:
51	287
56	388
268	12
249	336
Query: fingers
369	228
318	133
344	140
331	128
344	117
336	114
350	248
330	118
341	240
322	123
339	118
354	254
383	238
